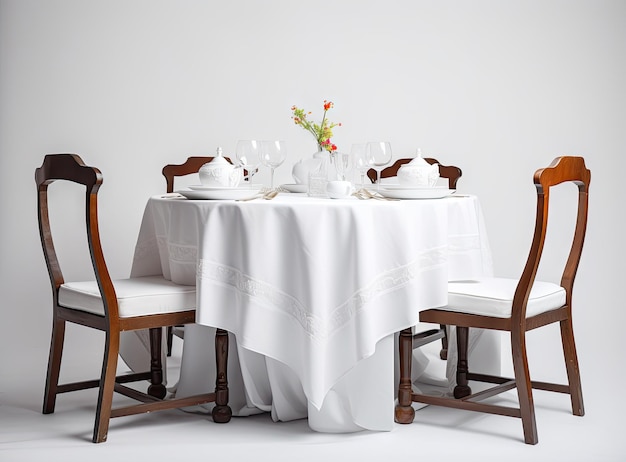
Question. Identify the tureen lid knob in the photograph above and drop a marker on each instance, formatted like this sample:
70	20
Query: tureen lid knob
219	151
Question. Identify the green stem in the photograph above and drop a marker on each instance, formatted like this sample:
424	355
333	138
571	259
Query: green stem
308	126
322	128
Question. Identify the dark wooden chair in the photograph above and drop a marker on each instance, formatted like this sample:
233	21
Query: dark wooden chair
515	306
114	306
452	174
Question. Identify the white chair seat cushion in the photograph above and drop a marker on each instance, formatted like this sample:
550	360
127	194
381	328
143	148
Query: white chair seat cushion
494	297
136	296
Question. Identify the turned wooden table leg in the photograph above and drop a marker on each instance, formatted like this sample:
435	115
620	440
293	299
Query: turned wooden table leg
404	412
221	412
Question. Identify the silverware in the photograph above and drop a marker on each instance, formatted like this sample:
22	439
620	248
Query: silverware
365	194
271	195
267	195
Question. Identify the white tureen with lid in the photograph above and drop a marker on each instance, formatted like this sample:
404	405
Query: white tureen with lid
418	173
220	173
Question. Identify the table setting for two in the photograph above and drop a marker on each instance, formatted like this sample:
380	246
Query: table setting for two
328	173
323	175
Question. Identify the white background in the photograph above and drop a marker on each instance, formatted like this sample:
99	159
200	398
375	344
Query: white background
498	88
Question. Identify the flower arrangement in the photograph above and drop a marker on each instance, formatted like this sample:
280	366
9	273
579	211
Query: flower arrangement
322	132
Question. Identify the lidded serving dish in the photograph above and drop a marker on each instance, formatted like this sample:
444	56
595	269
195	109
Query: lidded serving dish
418	173
220	173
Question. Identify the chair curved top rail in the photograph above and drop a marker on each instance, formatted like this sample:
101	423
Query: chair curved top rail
191	165
450	172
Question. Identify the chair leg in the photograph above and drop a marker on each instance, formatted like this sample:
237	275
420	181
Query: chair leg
170	339
443	354
462	388
54	365
107	387
524	388
156	388
571	365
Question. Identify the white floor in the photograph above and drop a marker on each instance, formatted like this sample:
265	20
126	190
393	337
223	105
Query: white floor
28	435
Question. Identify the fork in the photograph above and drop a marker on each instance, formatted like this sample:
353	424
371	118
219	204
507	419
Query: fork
365	194
267	195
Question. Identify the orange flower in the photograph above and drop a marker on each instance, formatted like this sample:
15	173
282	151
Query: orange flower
323	131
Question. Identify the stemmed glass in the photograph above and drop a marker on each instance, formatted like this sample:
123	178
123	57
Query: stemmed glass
272	154
247	156
378	156
342	164
359	160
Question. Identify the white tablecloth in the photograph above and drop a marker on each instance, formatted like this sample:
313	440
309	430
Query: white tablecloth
312	292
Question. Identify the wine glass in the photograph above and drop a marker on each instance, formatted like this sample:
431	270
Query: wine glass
247	156
272	154
359	160
342	164
378	156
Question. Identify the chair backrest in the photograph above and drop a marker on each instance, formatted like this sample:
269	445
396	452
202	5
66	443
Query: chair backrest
70	167
450	172
191	165
562	170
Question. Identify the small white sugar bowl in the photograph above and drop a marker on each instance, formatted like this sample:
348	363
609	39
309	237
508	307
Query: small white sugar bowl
418	173
220	173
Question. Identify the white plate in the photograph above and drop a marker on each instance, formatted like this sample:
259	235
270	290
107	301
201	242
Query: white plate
410	188
220	194
415	193
295	188
244	186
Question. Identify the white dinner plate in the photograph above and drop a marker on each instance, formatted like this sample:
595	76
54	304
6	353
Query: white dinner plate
220	194
295	188
397	192
244	186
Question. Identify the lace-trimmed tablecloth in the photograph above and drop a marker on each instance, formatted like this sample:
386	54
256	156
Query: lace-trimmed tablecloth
311	289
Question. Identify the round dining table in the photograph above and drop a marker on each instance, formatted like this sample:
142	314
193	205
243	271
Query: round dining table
313	292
